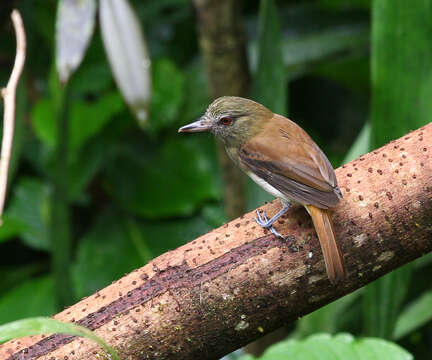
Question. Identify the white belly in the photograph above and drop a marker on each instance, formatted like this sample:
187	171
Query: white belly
267	187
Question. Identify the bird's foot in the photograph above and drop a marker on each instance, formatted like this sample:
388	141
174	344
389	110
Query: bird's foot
264	222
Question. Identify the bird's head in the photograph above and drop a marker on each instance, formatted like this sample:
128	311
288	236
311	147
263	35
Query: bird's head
232	119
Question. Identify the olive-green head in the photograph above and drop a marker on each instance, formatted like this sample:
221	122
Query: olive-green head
232	119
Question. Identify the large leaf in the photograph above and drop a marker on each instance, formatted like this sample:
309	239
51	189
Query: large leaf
127	53
74	28
98	262
401	67
29	211
339	347
168	94
42	325
31	298
402	87
270	79
382	301
174	181
85	119
415	315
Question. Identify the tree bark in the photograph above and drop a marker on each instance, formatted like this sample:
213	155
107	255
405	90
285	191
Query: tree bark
239	282
223	47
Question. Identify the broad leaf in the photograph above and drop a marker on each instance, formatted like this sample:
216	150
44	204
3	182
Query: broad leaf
175	181
29	212
17	304
98	262
415	315
168	94
339	347
86	119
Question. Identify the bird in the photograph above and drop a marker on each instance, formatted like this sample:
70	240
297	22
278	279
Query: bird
282	158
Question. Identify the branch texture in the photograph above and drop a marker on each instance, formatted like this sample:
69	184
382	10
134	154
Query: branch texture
238	282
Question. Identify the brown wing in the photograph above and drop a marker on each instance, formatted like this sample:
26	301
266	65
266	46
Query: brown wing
287	158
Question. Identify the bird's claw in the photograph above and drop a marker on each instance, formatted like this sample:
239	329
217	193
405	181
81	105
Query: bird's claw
264	222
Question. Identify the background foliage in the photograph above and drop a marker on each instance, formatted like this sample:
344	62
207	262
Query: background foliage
115	187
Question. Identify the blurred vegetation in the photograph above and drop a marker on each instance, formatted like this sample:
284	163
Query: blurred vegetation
98	188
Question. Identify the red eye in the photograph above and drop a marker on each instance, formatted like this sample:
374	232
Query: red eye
226	120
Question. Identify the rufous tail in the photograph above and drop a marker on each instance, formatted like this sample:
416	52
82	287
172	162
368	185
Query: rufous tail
332	254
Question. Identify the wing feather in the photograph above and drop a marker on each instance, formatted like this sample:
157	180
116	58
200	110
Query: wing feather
288	159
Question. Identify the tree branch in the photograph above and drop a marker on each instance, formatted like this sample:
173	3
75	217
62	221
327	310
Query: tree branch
8	95
238	282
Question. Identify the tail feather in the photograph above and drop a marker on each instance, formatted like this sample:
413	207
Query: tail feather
332	254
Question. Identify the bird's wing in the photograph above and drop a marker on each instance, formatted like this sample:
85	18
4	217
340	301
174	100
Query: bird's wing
285	157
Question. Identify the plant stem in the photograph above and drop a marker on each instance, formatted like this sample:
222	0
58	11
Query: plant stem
60	219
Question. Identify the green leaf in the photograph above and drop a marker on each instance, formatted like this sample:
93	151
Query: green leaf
43	121
326	318
12	275
402	88
98	262
74	28
305	50
382	301
11	227
415	315
29	212
127	53
31	298
175	181
270	80
86	119
339	347
168	94
402	85
196	100
42	325
83	166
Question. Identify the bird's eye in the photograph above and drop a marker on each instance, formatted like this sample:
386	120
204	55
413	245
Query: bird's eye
226	120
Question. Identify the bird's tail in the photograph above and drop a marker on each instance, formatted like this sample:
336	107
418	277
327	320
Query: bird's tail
332	254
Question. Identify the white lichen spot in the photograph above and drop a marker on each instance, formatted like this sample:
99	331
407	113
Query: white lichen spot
310	254
242	325
314	278
225	296
359	240
377	268
243	316
416	204
386	256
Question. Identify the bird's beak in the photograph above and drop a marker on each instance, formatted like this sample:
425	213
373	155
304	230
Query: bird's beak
197	126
